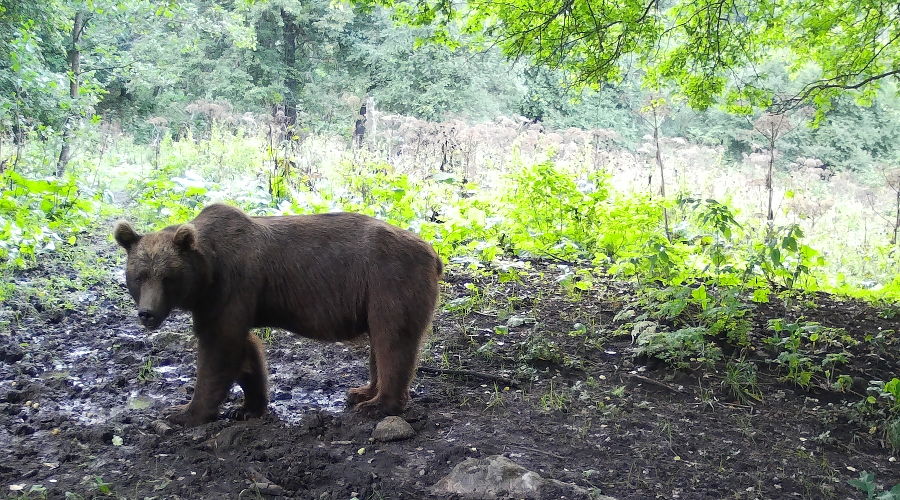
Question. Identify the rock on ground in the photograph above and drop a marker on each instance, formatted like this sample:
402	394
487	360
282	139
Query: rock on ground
499	477
393	429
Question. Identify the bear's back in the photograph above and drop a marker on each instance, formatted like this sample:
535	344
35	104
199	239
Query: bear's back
318	274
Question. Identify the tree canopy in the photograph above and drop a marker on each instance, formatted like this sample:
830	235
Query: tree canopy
709	50
163	64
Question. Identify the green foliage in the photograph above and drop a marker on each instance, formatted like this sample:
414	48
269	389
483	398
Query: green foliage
806	349
550	100
725	314
891	391
40	215
163	198
866	483
554	399
234	69
741	381
147	372
550	215
576	282
379	191
30	87
698	314
632	224
712	232
782	259
538	348
35	491
466	304
682	348
697	47
880	410
102	486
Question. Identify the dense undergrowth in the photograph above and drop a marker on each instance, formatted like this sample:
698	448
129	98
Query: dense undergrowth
696	283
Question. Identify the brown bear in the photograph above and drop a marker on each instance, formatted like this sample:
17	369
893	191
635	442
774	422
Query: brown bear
330	277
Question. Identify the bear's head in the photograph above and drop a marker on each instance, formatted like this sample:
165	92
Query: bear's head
164	270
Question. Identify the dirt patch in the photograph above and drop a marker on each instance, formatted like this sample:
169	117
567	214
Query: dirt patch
517	367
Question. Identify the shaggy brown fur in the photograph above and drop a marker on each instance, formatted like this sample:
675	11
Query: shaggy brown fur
330	277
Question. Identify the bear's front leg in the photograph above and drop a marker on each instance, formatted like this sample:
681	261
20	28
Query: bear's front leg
219	361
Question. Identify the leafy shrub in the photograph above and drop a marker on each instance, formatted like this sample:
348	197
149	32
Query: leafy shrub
682	348
168	197
38	215
548	214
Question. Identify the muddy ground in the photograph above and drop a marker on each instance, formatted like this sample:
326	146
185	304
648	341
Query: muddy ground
81	385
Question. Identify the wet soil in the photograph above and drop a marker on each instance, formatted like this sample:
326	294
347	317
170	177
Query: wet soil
515	367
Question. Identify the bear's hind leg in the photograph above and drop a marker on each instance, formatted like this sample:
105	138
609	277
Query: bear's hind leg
366	392
396	352
253	380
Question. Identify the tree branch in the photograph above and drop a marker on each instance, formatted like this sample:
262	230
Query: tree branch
821	85
104	68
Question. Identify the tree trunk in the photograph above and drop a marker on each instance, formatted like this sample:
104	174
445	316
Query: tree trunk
359	127
896	219
770	214
662	177
290	60
75	68
371	124
157	144
18	140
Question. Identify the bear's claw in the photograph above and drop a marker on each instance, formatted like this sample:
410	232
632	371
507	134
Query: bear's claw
378	408
182	416
244	413
362	394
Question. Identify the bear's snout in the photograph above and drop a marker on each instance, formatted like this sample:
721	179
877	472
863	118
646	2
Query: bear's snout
149	319
153	308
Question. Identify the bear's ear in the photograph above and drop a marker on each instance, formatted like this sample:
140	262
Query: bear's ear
125	235
186	237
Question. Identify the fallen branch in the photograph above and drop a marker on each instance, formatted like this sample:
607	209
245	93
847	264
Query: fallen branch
506	381
536	450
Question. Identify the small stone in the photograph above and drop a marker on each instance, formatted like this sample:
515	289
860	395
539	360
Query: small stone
500	477
226	439
160	427
269	489
515	321
393	428
24	430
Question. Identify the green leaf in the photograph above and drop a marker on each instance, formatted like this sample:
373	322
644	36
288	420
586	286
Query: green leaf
893	387
761	295
775	255
789	243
